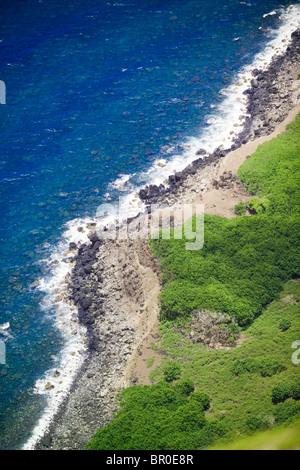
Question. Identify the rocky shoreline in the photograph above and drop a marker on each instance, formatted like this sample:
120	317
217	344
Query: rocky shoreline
272	95
115	284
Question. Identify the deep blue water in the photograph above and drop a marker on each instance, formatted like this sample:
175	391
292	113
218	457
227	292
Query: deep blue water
94	89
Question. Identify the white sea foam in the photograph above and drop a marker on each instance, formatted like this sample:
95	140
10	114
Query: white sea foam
56	383
224	124
120	182
270	14
4	331
4	326
228	118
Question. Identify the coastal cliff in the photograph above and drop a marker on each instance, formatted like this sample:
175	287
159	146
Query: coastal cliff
115	285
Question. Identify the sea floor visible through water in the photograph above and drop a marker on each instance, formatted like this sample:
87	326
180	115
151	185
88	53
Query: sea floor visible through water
101	100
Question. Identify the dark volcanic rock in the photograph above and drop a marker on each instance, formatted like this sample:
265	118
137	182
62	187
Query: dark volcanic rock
201	152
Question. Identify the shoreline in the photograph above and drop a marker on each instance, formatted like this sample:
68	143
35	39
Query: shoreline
271	96
122	311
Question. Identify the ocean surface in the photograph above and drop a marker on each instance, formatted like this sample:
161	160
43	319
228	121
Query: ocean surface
102	97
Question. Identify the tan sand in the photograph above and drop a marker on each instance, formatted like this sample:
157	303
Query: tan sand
199	188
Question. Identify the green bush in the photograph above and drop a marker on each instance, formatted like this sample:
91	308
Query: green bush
284	325
254	423
240	269
257	205
201	398
240	366
199	438
186	386
246	260
295	391
273	171
287	410
267	367
190	417
156	417
240	208
233	328
172	371
280	392
270	367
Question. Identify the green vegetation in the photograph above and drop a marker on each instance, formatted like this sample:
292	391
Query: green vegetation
286	411
281	392
241	268
267	367
275	439
150	362
272	172
240	208
284	324
159	417
246	260
172	371
248	269
254	423
242	381
258	205
186	387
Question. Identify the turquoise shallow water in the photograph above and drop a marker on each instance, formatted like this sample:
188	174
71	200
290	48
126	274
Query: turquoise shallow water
95	90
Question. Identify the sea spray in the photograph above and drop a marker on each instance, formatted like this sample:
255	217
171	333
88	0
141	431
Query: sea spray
228	119
56	382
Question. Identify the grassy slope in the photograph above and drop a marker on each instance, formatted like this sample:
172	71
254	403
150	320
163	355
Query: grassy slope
273	174
236	397
245	264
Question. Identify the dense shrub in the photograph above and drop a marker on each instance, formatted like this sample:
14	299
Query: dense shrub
172	371
233	328
246	260
267	367
295	391
190	417
186	386
240	208
240	366
158	417
257	205
273	171
240	269
270	366
198	439
201	398
280	393
284	325
254	423
287	410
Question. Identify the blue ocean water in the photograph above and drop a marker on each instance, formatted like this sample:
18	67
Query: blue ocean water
95	90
